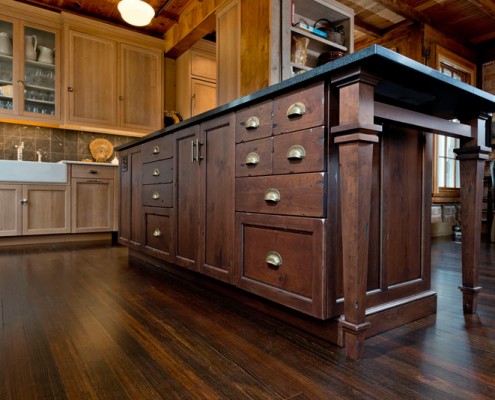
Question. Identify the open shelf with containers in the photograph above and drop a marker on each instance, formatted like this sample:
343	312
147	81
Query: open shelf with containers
330	17
6	66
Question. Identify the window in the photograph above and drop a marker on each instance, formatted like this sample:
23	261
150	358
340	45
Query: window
446	179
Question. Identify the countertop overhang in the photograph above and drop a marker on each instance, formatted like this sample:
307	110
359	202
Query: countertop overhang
426	89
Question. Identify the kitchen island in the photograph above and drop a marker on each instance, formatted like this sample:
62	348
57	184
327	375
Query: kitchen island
313	197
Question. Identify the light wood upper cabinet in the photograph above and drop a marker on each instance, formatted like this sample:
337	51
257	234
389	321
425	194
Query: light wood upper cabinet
140	88
92	82
114	79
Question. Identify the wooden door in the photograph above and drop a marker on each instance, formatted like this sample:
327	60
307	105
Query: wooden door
10	210
46	210
92	205
186	189
203	96
140	96
92	85
216	207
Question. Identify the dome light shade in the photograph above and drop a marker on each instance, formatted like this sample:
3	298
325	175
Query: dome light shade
136	12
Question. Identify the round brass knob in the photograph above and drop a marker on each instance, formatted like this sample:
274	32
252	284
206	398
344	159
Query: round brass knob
156	172
252	158
156	196
157	233
272	195
156	150
296	152
297	109
273	259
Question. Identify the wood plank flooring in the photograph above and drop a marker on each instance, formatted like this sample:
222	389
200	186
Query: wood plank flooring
80	322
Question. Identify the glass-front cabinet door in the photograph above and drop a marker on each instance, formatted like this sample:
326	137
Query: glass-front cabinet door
7	101
40	73
29	71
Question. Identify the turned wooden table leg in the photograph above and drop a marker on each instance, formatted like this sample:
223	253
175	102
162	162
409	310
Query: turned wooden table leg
356	158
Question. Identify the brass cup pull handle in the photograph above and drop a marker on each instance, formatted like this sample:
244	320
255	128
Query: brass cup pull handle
296	152
297	109
252	123
273	259
252	158
156	196
157	233
272	195
156	172
156	149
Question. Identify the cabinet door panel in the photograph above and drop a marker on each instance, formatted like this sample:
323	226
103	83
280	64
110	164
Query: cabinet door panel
92	66
217	197
140	88
47	210
92	205
186	181
10	211
204	96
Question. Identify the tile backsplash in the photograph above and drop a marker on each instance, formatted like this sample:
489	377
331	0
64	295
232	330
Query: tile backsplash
54	144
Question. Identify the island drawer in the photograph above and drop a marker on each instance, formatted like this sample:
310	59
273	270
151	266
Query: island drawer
158	172
254	122
281	259
160	195
300	109
158	149
301	151
298	195
159	238
92	171
254	158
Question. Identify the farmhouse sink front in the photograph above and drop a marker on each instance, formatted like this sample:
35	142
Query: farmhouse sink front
30	171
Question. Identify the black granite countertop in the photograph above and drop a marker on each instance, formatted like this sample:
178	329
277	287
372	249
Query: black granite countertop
402	81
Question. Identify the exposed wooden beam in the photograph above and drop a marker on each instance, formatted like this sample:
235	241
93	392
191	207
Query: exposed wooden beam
485	6
366	28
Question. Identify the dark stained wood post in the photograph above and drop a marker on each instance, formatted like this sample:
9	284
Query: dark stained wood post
356	134
472	156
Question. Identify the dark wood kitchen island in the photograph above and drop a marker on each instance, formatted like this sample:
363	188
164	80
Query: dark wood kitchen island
311	199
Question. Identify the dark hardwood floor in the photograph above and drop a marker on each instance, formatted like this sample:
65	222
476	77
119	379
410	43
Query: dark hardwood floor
80	322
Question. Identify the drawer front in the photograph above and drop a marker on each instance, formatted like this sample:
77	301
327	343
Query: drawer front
159	232
92	171
160	195
298	195
299	110
158	172
254	122
254	158
158	149
301	151
281	260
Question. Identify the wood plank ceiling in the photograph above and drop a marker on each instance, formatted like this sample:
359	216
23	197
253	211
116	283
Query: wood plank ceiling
471	22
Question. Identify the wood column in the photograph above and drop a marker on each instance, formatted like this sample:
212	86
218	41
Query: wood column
472	156
356	135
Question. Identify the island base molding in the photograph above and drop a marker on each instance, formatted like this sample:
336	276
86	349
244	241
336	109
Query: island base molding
381	318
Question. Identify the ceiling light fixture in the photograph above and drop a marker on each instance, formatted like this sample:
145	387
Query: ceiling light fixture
136	12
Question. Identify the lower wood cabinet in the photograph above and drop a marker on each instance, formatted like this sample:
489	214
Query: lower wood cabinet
33	209
159	232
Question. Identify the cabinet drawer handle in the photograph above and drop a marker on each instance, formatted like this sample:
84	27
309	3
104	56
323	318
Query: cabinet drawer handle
157	233
252	123
156	196
252	158
93	171
296	110
24	201
272	195
296	152
273	259
156	172
156	149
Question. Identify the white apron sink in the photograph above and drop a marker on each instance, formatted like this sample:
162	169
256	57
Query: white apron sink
35	172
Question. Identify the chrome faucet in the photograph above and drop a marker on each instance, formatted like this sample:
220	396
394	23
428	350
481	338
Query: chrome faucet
38	153
19	151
